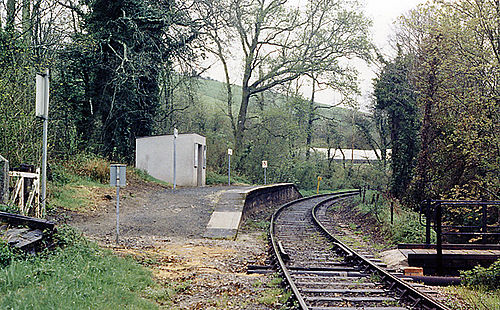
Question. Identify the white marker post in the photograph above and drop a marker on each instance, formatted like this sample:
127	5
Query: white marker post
264	165
229	153
176	134
42	111
118	178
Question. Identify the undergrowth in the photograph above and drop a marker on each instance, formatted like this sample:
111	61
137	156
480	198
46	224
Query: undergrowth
483	278
406	226
213	178
76	275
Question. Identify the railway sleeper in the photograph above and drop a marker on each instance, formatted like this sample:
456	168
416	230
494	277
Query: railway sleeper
358	308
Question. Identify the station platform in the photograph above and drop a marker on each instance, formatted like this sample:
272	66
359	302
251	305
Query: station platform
234	204
455	257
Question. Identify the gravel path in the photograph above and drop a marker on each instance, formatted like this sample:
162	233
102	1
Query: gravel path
184	212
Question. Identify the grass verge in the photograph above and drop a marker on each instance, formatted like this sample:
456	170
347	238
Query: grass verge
78	275
465	298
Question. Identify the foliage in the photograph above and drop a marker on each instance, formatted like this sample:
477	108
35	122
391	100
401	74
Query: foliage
406	227
77	276
481	277
213	178
455	71
396	97
466	298
9	208
72	185
7	254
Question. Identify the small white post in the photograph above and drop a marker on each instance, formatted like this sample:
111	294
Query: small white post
264	166
229	153
176	133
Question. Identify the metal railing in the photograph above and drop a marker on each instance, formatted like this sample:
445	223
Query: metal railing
434	212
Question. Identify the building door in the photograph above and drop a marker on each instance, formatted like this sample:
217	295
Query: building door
199	168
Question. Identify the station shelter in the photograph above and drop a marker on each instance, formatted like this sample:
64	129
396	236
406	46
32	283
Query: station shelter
155	155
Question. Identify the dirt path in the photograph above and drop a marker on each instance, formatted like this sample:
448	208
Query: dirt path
152	211
163	230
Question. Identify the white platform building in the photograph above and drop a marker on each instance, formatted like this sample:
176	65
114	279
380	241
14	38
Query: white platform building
155	155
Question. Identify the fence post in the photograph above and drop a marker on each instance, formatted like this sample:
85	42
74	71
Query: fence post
484	223
439	246
392	212
428	223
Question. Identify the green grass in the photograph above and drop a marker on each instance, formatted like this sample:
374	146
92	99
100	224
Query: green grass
406	227
472	299
274	295
312	192
142	174
69	190
214	178
77	276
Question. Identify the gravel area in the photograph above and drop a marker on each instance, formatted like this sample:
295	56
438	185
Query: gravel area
163	228
183	212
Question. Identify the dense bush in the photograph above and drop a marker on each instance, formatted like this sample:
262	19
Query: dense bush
481	277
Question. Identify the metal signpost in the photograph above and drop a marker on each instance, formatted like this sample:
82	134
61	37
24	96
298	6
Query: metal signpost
264	165
117	177
229	153
42	110
176	134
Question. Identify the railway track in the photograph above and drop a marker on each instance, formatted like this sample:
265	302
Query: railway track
325	274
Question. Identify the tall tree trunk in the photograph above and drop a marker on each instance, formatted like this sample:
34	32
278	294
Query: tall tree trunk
27	24
310	120
242	117
11	15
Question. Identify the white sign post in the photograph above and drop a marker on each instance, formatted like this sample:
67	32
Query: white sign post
264	165
176	134
118	178
229	153
42	110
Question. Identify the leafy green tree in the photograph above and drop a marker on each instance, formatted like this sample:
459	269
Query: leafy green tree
278	43
396	96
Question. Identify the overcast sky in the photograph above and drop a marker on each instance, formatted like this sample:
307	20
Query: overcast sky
383	13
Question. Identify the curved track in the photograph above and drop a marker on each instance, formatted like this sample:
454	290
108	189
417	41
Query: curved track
325	274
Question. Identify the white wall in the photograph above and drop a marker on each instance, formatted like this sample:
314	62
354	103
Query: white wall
155	155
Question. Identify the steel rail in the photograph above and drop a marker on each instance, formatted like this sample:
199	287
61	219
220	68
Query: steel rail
407	292
276	247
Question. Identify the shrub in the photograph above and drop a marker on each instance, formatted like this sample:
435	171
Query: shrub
6	254
481	277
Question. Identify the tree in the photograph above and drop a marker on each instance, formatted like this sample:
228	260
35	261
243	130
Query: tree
455	73
396	96
126	52
278	44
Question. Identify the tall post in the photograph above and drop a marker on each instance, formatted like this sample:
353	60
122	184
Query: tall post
118	178
392	212
42	110
428	223
117	213
176	133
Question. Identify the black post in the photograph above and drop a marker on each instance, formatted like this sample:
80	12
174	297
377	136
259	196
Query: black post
484	224
392	212
364	193
439	246
428	223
